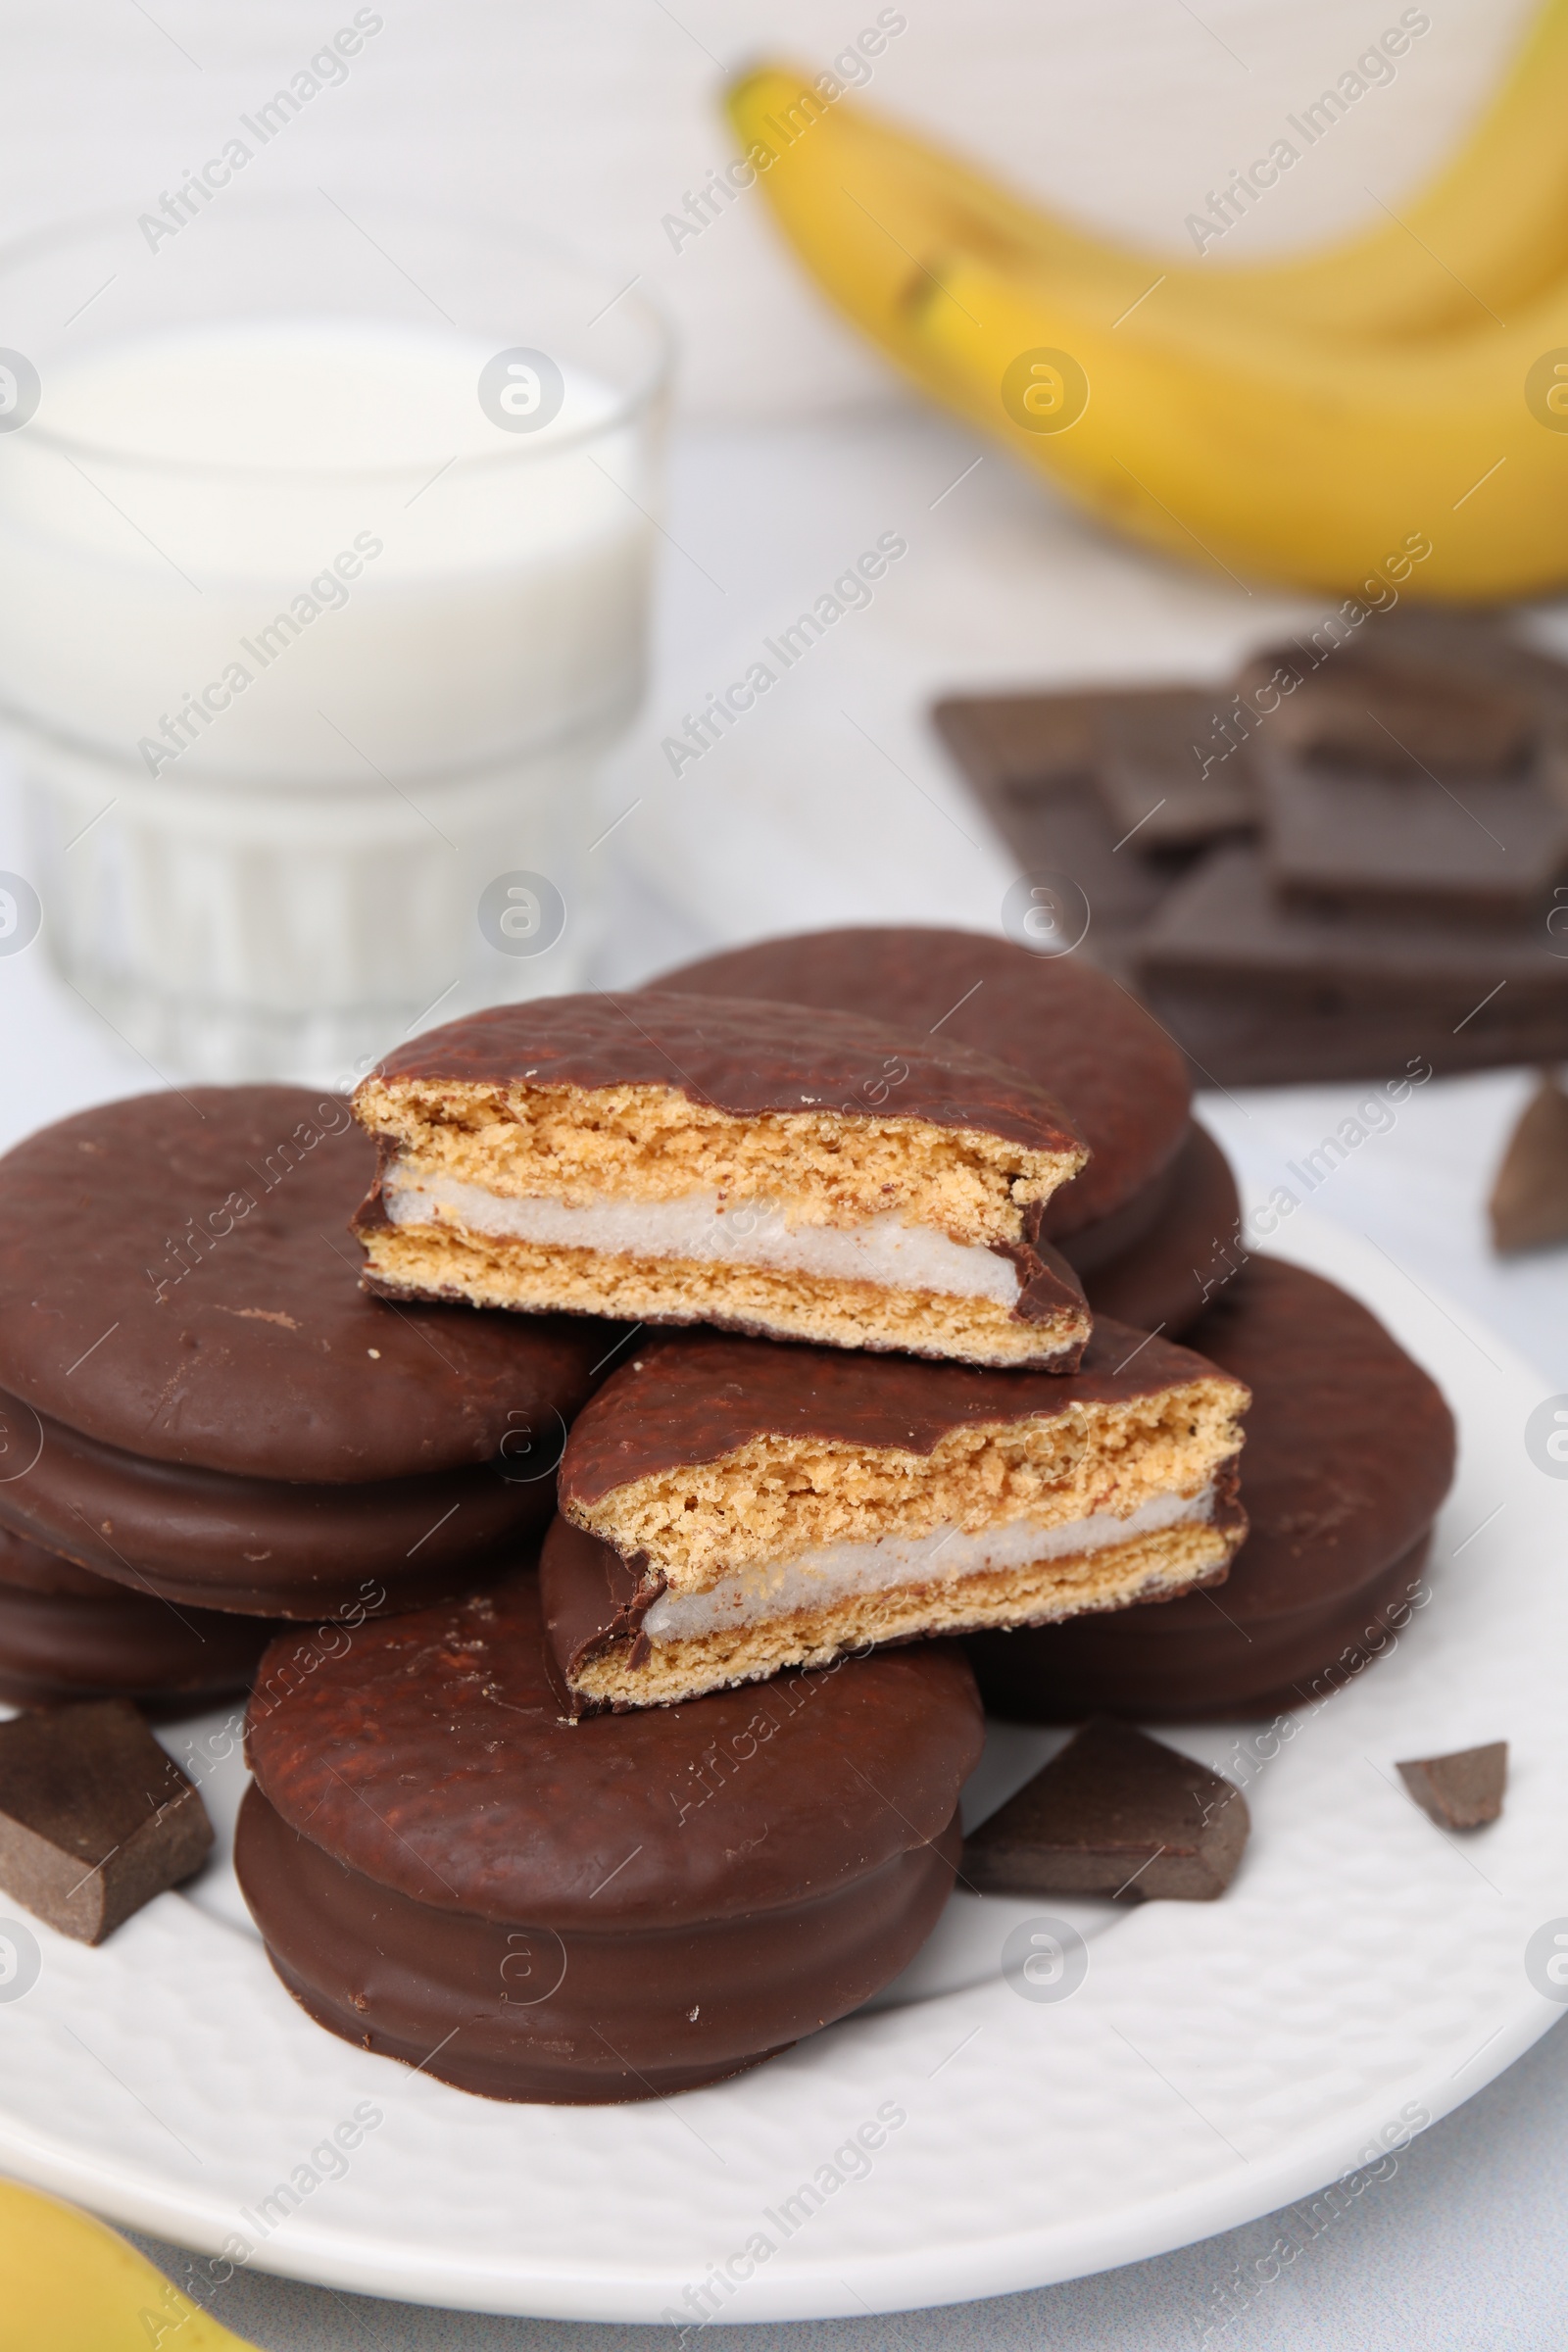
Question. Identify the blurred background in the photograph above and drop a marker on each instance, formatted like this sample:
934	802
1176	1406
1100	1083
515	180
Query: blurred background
794	447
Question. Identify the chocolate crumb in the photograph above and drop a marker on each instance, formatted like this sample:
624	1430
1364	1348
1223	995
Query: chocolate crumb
1462	1791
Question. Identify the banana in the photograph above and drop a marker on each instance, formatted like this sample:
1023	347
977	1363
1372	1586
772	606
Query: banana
1490	237
1270	455
69	2284
1330	422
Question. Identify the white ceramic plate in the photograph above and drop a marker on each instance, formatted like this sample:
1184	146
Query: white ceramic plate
1219	2060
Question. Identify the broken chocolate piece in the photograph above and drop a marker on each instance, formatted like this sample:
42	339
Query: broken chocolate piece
1462	1791
1261	994
1365	707
95	1818
1008	742
1529	1205
1153	777
1464	845
1036	763
1116	1814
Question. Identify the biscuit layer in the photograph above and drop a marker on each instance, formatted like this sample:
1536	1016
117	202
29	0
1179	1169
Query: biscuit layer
442	1262
751	1166
583	1145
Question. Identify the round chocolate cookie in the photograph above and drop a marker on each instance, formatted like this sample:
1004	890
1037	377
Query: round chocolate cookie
269	1548
447	1873
66	1634
1120	1078
1348	1454
1164	1281
216	1410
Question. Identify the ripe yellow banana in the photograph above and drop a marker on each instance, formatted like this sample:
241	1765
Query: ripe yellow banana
1272	455
1491	235
1236	418
69	2284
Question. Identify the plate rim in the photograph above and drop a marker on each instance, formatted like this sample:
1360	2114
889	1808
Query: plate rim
126	2192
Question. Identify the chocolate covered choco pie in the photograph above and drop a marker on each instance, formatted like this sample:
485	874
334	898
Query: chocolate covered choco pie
1350	1454
446	1872
1151	1222
202	1402
66	1633
678	1159
732	1509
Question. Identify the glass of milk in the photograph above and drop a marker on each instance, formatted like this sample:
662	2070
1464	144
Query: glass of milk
325	538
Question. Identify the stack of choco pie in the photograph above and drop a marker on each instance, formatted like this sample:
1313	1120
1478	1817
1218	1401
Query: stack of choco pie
905	1225
207	1426
891	1310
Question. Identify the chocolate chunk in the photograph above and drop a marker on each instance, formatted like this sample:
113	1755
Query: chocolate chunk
1321	982
1453	844
1133	743
1021	742
1032	762
1116	1814
1476	647
95	1819
1152	776
1529	1205
1462	1791
1261	994
1368	708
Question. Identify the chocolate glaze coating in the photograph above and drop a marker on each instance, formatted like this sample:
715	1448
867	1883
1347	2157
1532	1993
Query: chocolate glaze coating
743	1058
1198	1672
593	1602
430	1757
702	1395
264	1358
1349	1453
523	2013
265	1547
1163	1282
66	1634
1073	1032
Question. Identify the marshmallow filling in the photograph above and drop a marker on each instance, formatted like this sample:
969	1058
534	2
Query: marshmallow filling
814	1580
700	1228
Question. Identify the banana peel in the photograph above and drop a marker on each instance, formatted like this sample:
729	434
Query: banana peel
70	2284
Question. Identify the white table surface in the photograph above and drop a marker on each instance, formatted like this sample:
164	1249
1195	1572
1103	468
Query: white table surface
833	803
